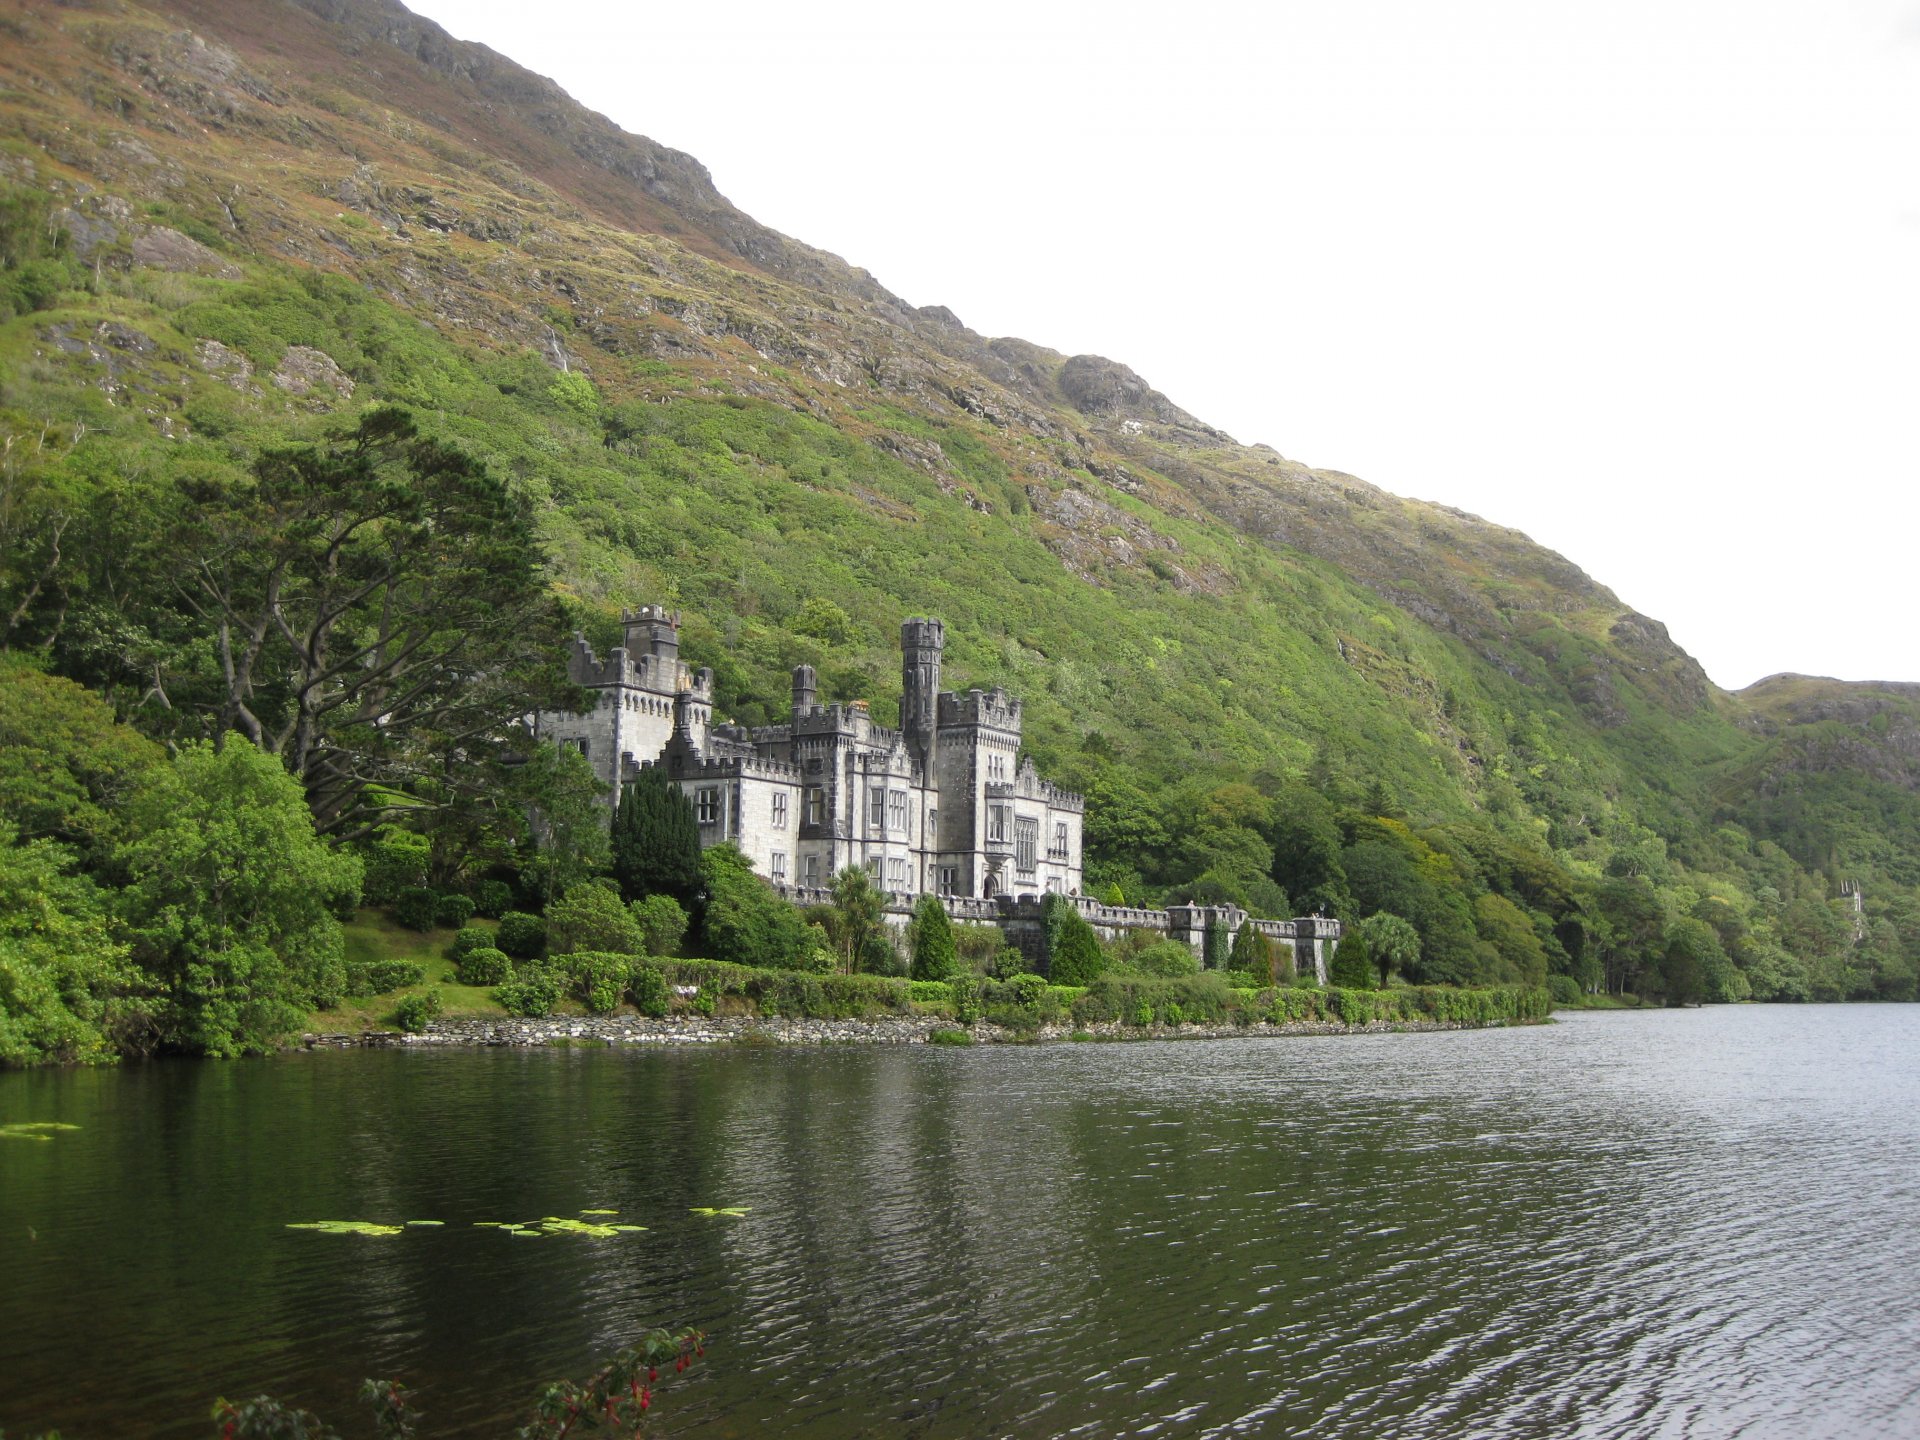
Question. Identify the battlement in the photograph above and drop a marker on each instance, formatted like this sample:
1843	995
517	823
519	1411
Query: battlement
721	768
995	708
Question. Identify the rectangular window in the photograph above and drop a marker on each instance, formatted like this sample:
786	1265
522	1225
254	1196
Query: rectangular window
1026	844
816	804
877	809
949	878
873	868
706	805
581	746
997	823
897	810
1060	839
896	875
932	837
1053	884
778	866
779	809
812	872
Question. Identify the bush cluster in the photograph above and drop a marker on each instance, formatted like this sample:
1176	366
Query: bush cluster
384	976
413	1013
484	966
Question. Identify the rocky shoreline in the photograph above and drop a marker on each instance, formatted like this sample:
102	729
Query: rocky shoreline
616	1030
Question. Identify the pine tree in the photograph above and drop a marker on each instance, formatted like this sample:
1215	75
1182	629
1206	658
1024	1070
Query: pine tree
933	948
656	841
1352	964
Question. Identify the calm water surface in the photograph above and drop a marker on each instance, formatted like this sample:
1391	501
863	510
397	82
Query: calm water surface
1687	1224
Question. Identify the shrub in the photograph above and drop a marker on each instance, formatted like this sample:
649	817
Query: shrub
395	862
1166	959
599	979
929	992
1565	990
949	1037
485	966
1252	956
663	924
469	938
1217	946
452	911
1074	956
978	947
521	935
1027	990
491	898
387	975
593	918
413	1013
414	907
532	993
648	990
964	993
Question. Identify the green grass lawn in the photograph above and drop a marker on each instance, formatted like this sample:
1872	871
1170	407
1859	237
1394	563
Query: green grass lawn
373	936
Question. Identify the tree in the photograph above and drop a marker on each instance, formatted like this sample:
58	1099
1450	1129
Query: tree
63	972
1506	927
744	921
663	924
565	810
1393	943
1074	956
1251	954
656	840
592	917
934	955
232	900
1352	967
377	611
860	922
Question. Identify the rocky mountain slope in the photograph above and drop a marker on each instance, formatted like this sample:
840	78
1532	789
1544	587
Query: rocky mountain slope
291	207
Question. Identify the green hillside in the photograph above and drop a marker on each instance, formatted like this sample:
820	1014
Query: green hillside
232	227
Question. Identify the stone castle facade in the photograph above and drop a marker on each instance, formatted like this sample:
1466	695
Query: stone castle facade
944	804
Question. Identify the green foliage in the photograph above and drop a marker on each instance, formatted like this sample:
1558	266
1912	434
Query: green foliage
934	955
531	992
1251	955
521	935
414	1012
484	966
468	939
1074	956
858	924
1352	967
1167	959
949	1037
232	900
648	990
416	907
745	922
63	970
1392	942
389	975
450	912
1216	946
396	863
663	924
592	917
492	898
655	841
1565	991
558	788
599	980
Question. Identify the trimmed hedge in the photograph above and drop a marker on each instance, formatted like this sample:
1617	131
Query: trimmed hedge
468	939
450	912
386	975
521	935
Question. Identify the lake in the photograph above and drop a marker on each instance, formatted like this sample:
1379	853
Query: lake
1689	1223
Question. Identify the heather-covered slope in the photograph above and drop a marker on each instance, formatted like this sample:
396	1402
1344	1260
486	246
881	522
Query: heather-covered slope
272	213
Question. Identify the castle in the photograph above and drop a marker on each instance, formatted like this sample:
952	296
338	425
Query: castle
944	804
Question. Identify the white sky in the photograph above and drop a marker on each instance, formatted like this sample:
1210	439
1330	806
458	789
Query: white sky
1640	278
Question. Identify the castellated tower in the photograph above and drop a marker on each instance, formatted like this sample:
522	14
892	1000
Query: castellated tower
921	642
806	689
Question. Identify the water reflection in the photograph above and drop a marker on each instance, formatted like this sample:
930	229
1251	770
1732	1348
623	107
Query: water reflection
1623	1225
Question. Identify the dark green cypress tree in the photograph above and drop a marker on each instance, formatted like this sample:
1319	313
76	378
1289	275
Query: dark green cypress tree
655	840
1352	967
933	948
1251	955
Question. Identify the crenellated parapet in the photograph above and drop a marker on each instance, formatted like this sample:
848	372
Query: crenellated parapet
994	708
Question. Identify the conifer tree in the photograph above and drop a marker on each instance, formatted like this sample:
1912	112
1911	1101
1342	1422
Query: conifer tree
656	841
1251	955
933	948
1074	956
1352	963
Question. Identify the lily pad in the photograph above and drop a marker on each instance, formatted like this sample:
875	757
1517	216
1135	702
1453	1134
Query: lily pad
348	1227
41	1130
599	1212
426	1222
712	1210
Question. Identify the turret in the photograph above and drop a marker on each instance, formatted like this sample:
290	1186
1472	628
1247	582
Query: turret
921	642
806	689
653	630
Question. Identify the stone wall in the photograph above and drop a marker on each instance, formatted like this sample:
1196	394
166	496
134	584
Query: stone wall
615	1030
